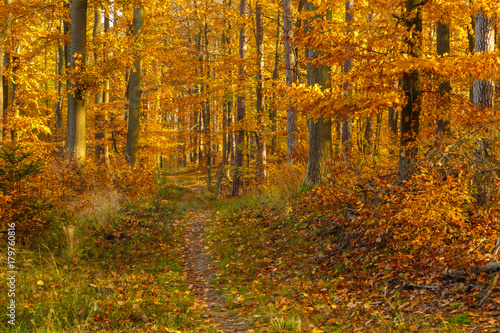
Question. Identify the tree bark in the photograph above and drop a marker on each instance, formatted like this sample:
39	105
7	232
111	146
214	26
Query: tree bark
101	116
207	120
274	110
410	116
261	138
320	133
484	90
76	109
347	124
240	112
291	78
4	35
134	105
60	67
443	47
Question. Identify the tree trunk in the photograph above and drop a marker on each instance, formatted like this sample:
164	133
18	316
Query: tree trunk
274	110
410	116
101	116
261	138
471	36
14	133
240	112
134	105
347	124
484	90
320	133
76	109
4	35
484	94
291	77
60	67
443	47
207	120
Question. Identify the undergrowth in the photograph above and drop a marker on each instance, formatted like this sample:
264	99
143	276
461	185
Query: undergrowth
114	265
359	252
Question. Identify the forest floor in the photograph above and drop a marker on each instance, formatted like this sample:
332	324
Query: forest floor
188	262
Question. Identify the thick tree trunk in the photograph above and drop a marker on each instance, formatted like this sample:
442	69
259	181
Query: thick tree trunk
240	112
76	109
320	131
410	116
291	77
134	105
484	90
261	138
484	95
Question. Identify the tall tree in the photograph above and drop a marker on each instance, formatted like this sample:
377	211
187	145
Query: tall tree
4	34
240	111
410	116
101	97
443	47
134	88
320	131
291	78
76	143
261	137
484	90
347	124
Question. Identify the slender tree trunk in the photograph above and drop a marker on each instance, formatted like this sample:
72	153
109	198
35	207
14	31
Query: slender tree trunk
59	105
207	120
4	35
410	117
135	81
274	110
471	36
261	138
443	47
14	133
320	134
347	124
101	98
76	109
240	112
291	77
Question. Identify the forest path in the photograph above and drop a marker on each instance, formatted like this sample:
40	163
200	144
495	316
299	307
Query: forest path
197	269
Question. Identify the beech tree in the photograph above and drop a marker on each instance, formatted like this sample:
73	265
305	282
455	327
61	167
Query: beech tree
410	117
240	115
134	88
291	78
320	133
76	129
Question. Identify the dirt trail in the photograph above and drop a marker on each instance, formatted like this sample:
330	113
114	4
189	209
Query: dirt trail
196	262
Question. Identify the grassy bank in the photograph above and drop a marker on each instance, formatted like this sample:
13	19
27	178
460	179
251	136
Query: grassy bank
116	268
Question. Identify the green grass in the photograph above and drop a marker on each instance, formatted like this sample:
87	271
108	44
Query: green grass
113	271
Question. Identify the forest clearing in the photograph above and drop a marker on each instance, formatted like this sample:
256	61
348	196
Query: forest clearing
249	166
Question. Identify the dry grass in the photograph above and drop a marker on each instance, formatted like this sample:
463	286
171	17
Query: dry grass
97	203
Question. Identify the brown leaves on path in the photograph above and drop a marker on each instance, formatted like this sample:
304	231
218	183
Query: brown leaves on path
196	268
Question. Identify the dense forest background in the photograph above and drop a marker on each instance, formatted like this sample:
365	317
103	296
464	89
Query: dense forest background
374	120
